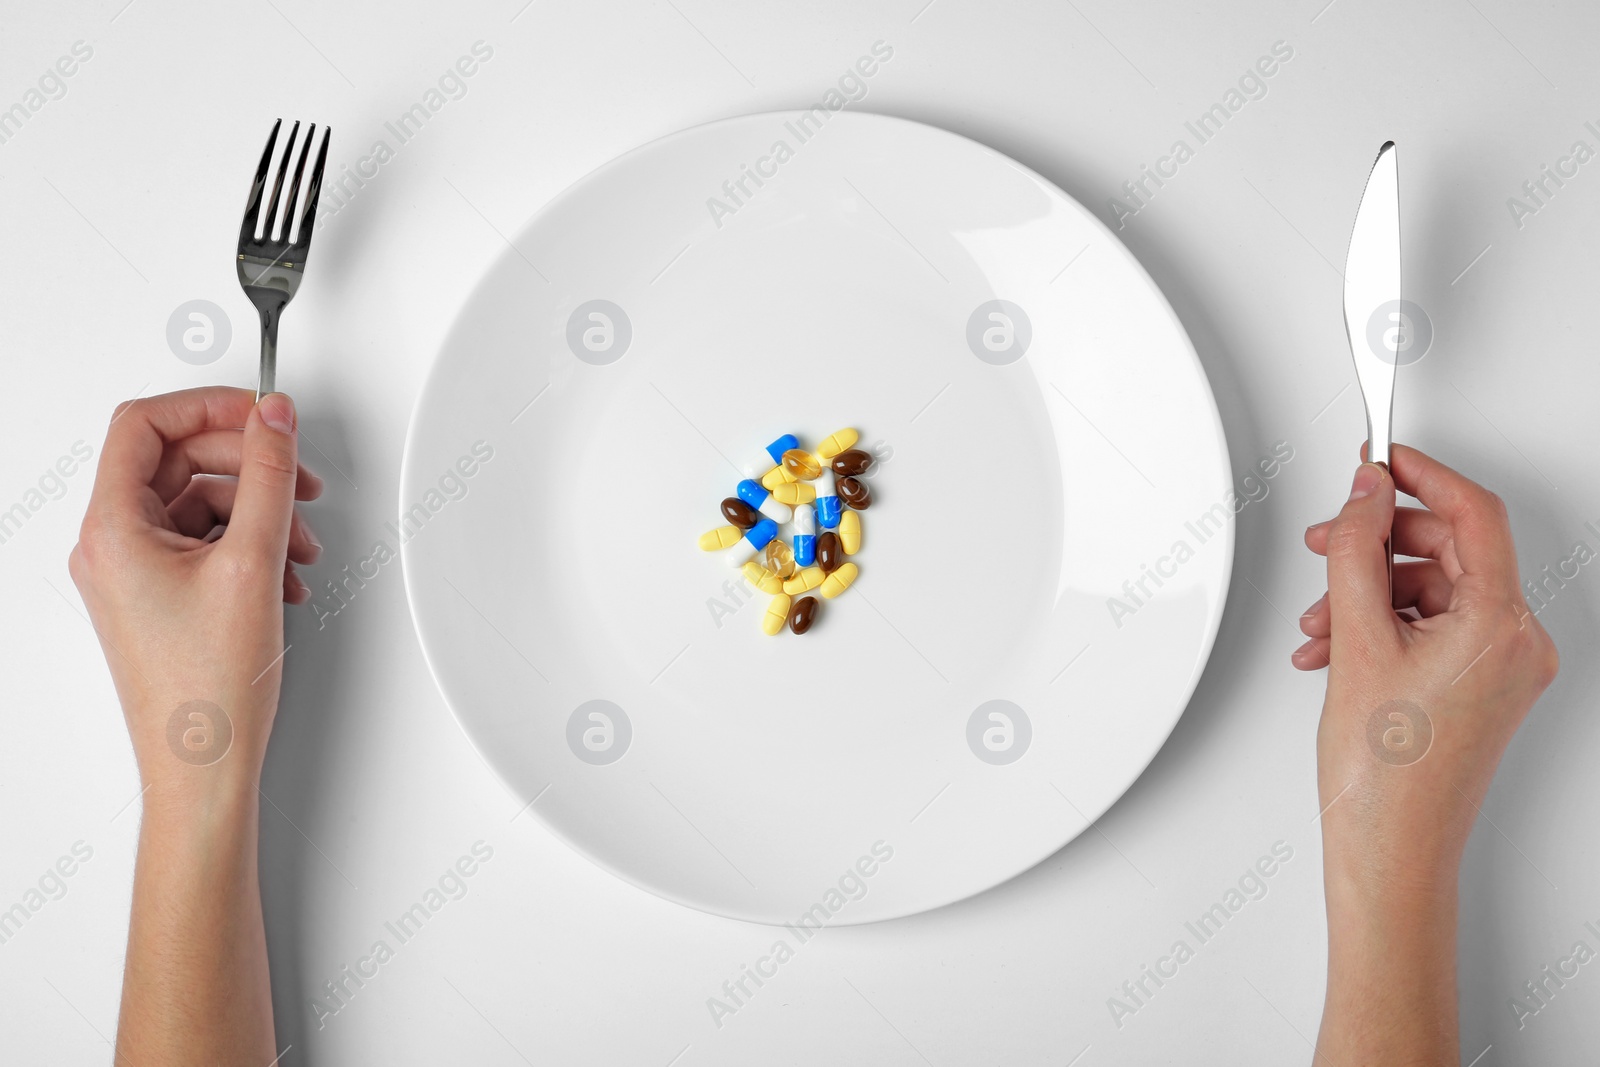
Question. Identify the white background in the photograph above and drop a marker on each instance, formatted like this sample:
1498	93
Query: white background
121	202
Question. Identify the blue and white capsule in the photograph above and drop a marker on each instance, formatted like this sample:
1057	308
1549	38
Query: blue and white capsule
829	506
756	495
753	541
805	535
772	456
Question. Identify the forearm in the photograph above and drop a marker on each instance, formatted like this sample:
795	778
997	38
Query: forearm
195	987
1391	972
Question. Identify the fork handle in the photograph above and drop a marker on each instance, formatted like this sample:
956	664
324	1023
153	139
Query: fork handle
268	380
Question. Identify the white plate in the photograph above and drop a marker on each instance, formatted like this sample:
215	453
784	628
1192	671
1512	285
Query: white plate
753	773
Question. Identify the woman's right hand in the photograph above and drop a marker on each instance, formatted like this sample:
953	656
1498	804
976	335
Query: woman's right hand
1418	711
1417	714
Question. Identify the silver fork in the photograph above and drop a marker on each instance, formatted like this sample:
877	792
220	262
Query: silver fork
270	266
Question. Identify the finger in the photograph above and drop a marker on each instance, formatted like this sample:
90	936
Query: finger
263	506
1358	570
1477	517
141	428
1311	656
1416	532
1422	585
1317	620
213	452
202	507
208	503
295	590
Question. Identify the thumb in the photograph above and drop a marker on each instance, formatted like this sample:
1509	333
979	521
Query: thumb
1359	598
264	506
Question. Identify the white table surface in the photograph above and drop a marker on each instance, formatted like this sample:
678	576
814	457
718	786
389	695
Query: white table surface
122	194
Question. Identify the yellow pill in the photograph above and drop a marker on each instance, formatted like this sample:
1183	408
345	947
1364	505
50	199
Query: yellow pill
850	532
761	578
793	493
807	580
839	580
801	464
777	614
775	477
720	538
838	442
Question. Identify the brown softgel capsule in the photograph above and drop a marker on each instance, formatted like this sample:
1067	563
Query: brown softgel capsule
854	461
803	614
854	491
739	513
830	553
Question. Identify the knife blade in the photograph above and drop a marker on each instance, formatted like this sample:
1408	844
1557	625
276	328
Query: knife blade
1372	296
1372	281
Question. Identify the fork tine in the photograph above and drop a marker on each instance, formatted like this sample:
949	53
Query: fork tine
308	210
271	222
252	204
294	186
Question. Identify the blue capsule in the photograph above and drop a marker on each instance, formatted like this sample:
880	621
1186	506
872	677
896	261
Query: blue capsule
775	450
761	533
754	540
755	494
805	535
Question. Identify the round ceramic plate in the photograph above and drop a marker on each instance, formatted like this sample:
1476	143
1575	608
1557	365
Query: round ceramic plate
1044	562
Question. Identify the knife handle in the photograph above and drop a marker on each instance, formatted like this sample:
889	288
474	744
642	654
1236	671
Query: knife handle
1388	539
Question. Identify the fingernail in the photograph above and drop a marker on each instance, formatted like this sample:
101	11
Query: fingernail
1318	525
1309	653
277	411
1313	609
1368	475
311	539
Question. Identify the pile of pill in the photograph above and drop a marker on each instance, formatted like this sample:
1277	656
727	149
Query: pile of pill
789	486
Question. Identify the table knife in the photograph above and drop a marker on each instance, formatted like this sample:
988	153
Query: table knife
1371	295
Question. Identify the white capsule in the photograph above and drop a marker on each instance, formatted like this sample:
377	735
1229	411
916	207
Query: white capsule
828	504
754	540
757	496
805	535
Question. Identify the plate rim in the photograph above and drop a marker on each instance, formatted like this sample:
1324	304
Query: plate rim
409	459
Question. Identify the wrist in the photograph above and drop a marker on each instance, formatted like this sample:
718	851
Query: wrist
1409	904
204	800
194	751
1371	885
1389	827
